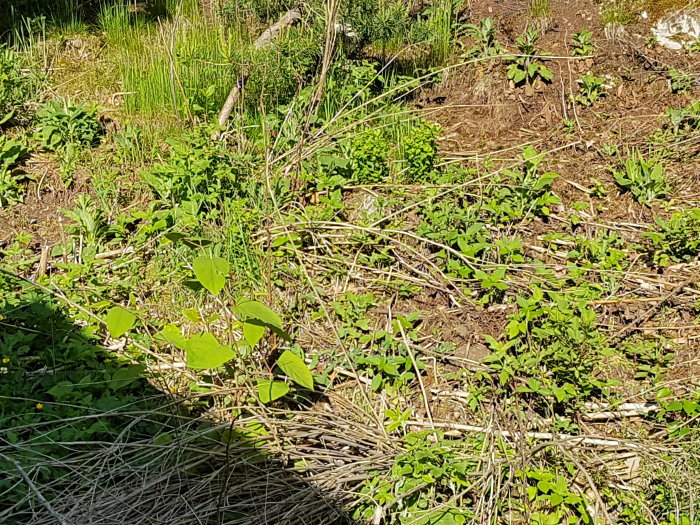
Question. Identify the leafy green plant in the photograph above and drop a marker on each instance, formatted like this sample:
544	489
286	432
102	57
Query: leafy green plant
527	67
62	126
528	191
676	239
590	89
680	81
428	483
11	152
484	35
553	499
16	87
420	151
582	43
368	154
645	179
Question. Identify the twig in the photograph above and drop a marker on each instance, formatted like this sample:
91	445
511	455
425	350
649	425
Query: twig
61	520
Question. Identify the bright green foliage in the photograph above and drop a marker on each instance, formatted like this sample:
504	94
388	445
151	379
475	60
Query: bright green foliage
16	87
62	126
555	501
645	179
269	391
429	484
420	151
119	321
211	272
553	343
582	43
294	366
198	174
590	89
484	33
11	153
527	67
528	192
369	157
676	239
681	82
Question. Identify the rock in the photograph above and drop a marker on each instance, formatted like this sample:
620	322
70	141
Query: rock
677	29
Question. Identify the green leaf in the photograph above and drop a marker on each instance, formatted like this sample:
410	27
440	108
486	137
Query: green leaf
253	332
205	352
211	272
270	390
119	321
296	369
256	310
172	335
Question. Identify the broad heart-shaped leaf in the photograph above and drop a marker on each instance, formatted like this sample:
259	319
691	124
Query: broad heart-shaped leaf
211	272
270	390
172	335
204	352
256	310
253	331
119	321
296	369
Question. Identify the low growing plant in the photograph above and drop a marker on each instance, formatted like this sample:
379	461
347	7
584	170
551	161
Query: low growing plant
11	152
676	239
590	89
582	43
645	179
528	66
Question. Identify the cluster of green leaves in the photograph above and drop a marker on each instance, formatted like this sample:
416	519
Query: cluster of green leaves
680	81
11	153
528	192
484	35
676	239
527	66
429	483
52	369
554	500
16	87
590	89
420	151
679	124
582	43
197	176
62	126
644	178
551	351
204	351
369	157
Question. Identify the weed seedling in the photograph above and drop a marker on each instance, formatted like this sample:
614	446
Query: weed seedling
582	43
528	67
590	89
645	179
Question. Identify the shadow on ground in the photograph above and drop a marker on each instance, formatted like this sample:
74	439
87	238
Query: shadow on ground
85	438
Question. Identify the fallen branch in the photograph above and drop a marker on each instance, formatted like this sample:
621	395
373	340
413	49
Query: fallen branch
267	37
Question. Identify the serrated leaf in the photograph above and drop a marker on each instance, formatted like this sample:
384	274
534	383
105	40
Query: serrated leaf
119	321
205	352
256	310
211	272
296	369
268	391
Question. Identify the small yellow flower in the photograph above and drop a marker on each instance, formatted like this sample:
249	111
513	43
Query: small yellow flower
173	389
5	360
39	406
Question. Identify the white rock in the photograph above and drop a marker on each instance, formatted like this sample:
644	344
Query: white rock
677	29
